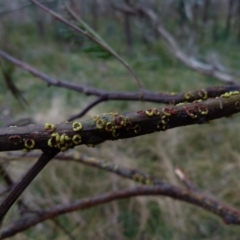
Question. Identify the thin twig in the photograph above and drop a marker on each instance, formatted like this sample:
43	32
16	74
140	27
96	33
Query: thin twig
25	181
4	12
10	183
159	97
92	38
186	181
133	174
88	107
175	49
228	214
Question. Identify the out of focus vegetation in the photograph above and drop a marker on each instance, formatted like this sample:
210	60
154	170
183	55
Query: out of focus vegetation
209	154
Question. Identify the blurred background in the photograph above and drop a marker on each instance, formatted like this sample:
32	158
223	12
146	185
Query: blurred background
209	154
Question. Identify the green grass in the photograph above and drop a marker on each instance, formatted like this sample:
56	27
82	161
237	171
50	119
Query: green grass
209	154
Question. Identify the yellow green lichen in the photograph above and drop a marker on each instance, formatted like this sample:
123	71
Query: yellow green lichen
100	123
237	105
164	120
77	126
63	148
50	143
77	139
62	139
180	104
109	127
56	136
94	118
66	138
235	92
166	112
148	181
203	94
50	127
188	95
29	143
203	110
54	141
152	112
229	94
127	121
226	95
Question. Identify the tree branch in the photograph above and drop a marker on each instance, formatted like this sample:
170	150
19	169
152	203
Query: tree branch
133	174
159	97
175	49
90	35
4	12
87	108
229	215
17	190
113	126
186	181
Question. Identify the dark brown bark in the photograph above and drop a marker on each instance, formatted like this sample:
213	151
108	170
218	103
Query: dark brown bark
229	215
113	126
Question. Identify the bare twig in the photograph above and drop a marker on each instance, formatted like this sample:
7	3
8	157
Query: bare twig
191	195
175	49
7	203
90	36
88	107
8	77
186	181
169	98
133	174
189	61
9	11
228	214
10	183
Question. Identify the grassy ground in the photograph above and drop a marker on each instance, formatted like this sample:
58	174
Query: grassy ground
209	154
